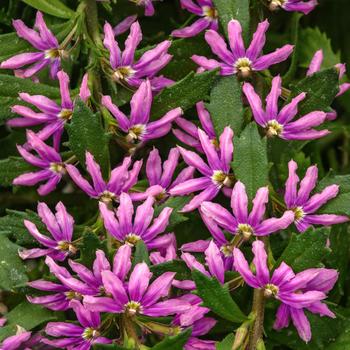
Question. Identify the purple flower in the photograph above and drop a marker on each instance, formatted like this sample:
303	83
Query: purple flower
200	325
214	262
73	336
293	5
60	226
147	4
160	178
242	222
315	66
121	179
137	128
17	341
238	60
209	18
121	225
304	205
189	133
49	52
321	280
123	67
138	296
51	115
280	123
63	293
48	159
90	282
124	25
290	289
216	175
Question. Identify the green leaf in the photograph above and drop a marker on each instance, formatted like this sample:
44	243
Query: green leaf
175	342
233	9
52	7
250	163
178	266
343	340
177	203
320	88
185	93
88	247
225	107
12	167
226	344
12	225
86	134
108	347
312	40
217	297
141	254
306	250
12	269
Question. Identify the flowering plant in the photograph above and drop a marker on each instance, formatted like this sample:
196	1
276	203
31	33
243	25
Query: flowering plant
174	175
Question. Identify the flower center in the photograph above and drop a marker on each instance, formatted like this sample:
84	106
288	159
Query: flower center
273	128
57	168
244	67
107	197
222	179
227	250
135	133
73	295
270	290
160	196
123	73
210	12
132	238
276	4
65	114
52	54
67	247
90	333
298	213
245	231
132	308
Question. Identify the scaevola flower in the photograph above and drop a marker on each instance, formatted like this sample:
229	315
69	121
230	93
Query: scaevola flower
160	178
126	229
209	18
120	180
293	5
60	226
290	289
48	160
138	128
18	341
315	66
238	60
279	123
322	280
125	70
52	116
215	176
49	53
303	204
138	296
147	4
74	336
188	132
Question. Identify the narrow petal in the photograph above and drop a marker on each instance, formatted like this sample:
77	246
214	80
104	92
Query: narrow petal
255	104
131	44
44	240
112	46
154	167
241	265
282	317
272	98
307	184
218	46
143	216
122	262
122	119
214	261
226	149
166	308
66	100
159	224
65	222
275	224
275	57
192	30
208	194
190	186
289	111
259	206
239	202
102	304
290	196
140	104
194	160
258	42
209	150
260	263
139	281
95	172
80	181
306	122
169	167
114	286
319	199
235	38
301	323
316	62
124	213
326	219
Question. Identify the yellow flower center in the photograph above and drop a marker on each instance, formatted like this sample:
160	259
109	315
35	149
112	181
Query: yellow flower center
298	213
123	73
57	168
73	295
244	67
210	12
67	247
227	250
276	4
52	54
65	114
131	239
90	333
245	231
132	308
135	133
270	290
107	197
222	179
273	128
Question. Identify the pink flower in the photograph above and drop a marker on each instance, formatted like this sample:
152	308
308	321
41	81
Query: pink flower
293	5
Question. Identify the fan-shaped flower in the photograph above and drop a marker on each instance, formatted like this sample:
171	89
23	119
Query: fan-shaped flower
209	18
49	53
216	175
306	205
293	5
238	60
279	123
